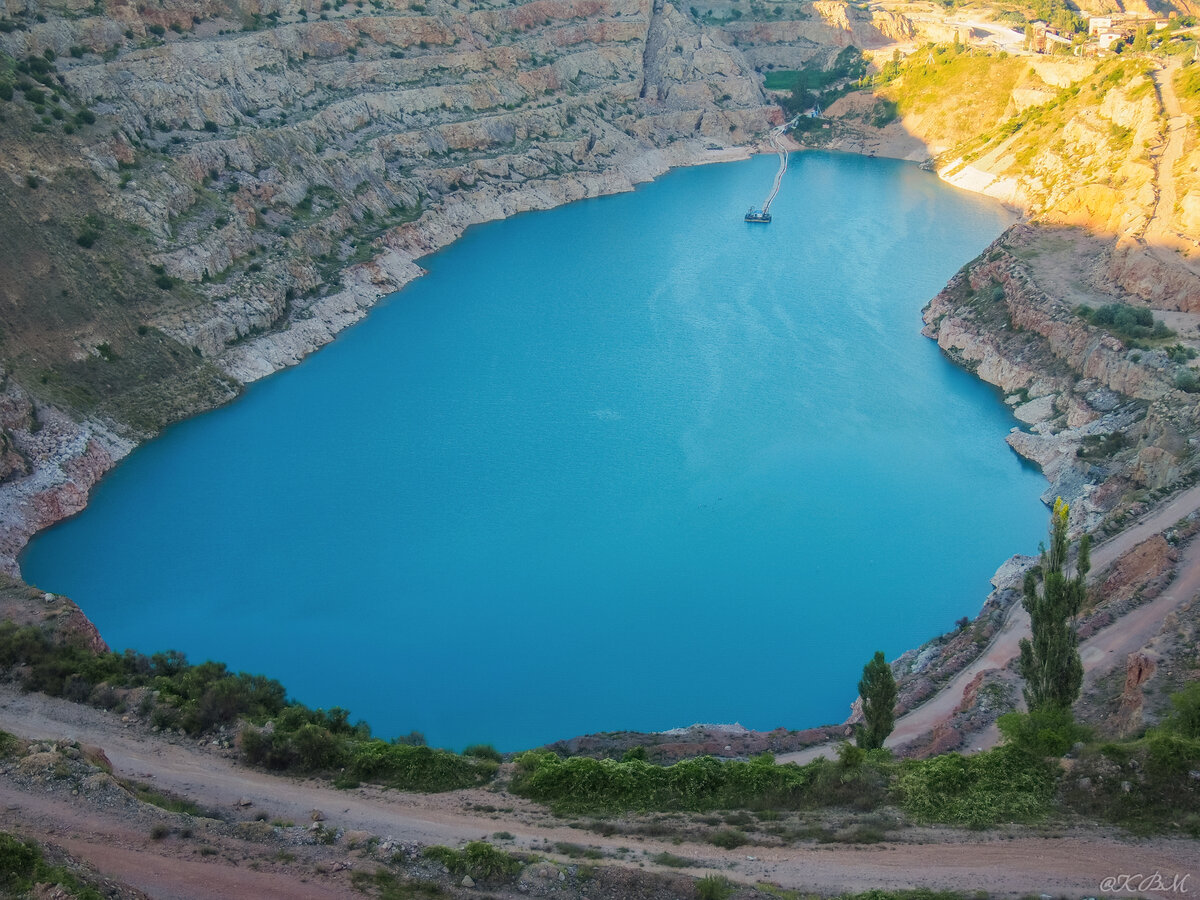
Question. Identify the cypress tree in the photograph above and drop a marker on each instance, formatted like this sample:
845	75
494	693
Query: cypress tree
878	691
1050	663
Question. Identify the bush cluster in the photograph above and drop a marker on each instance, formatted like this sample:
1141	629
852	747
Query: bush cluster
196	698
201	698
479	859
582	784
1131	323
22	866
1002	785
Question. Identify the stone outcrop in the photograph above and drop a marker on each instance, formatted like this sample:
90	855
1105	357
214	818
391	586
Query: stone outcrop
1079	384
1139	668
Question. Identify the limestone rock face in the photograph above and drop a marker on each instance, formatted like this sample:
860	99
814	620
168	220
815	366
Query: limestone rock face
1075	384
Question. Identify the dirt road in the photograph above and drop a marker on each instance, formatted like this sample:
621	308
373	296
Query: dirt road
1003	862
1164	241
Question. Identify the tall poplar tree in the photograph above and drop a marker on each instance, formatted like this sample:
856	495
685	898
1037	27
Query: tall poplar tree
1050	663
878	691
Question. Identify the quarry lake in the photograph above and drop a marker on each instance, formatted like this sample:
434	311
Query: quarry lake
632	463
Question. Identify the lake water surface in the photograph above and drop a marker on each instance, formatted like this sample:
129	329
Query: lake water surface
630	463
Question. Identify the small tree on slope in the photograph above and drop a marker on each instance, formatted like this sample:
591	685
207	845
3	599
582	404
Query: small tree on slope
878	691
1050	663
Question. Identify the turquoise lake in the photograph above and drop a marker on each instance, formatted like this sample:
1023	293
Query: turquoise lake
627	464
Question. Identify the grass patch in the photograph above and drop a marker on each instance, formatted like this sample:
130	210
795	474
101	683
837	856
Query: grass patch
728	838
671	860
577	851
386	886
714	887
163	800
22	866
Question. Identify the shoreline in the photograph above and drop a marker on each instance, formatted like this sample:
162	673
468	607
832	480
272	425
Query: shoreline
369	283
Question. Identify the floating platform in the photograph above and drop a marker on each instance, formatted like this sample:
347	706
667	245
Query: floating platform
758	215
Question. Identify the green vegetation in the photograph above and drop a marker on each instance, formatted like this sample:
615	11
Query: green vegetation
671	860
170	802
1097	447
22	865
1143	784
1130	323
728	838
1050	663
387	886
1059	14
1001	785
714	887
1020	781
201	698
1146	785
812	85
918	85
410	768
1043	732
582	784
479	859
878	692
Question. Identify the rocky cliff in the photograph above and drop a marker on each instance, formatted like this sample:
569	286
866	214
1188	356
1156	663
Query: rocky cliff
1105	419
1100	156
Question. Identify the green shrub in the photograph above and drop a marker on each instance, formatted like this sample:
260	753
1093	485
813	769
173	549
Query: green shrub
1128	322
22	866
479	859
583	784
1185	719
728	838
1188	381
884	112
714	887
1001	785
416	768
1043	732
1153	790
484	751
